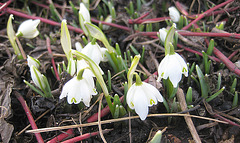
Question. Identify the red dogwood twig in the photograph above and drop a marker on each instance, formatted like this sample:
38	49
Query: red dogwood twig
52	59
29	115
196	52
206	13
62	136
85	136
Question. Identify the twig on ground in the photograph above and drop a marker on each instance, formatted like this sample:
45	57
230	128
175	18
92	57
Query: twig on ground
62	136
118	120
85	136
183	105
29	115
99	119
206	13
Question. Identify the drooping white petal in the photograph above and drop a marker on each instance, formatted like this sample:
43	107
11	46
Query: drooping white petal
152	91
93	52
29	28
163	68
141	106
183	64
174	14
130	96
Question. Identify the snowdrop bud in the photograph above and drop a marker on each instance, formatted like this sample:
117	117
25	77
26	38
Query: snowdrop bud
78	46
109	20
172	67
31	61
174	14
28	29
104	56
163	34
84	12
71	69
37	77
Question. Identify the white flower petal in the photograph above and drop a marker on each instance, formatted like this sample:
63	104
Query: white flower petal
153	91
78	90
141	106
93	52
163	68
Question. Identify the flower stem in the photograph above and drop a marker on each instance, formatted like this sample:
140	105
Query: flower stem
29	115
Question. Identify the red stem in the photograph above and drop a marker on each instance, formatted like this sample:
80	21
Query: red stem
62	136
231	66
52	59
233	54
206	13
16	13
133	21
231	35
29	115
196	52
84	136
130	21
111	24
5	4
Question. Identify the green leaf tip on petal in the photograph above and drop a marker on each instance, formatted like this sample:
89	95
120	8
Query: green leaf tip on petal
97	33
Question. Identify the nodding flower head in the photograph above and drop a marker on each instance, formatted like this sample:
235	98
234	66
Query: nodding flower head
28	29
172	67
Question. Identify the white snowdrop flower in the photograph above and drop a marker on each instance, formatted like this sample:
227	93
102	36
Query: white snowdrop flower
37	77
174	14
31	61
28	29
172	67
140	96
77	90
78	46
93	51
163	34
